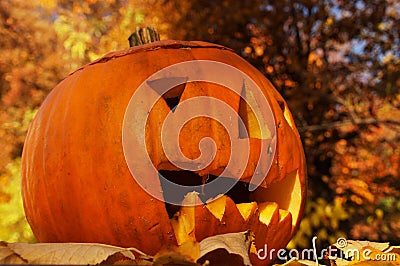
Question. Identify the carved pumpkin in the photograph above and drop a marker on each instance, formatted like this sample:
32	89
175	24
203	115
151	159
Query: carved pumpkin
77	186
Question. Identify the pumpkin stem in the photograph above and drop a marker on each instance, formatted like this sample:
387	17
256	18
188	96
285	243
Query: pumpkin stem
143	36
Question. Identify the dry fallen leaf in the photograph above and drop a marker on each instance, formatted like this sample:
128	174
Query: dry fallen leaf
393	249
365	253
375	256
7	256
60	253
226	249
358	245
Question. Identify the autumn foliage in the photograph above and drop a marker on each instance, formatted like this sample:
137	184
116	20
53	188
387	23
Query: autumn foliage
336	63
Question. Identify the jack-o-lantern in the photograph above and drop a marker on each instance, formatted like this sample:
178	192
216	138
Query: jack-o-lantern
77	186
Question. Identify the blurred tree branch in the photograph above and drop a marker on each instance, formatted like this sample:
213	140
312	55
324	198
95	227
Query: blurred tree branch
357	122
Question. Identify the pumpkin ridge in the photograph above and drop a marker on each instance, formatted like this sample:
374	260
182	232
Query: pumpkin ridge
165	44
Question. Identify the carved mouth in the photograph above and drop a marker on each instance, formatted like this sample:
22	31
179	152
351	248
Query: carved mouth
272	207
239	193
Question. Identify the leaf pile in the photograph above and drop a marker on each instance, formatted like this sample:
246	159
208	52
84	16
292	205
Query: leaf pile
227	249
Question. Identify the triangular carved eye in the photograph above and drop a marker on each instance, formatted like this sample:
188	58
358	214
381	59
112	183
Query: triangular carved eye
250	113
172	96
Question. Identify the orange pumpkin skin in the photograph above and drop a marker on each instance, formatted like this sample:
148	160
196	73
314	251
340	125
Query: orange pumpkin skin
77	187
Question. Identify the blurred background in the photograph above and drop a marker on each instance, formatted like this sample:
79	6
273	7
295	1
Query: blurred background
337	64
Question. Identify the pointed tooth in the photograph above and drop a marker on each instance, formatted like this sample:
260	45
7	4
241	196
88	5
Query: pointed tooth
188	210
285	220
282	232
274	230
220	216
205	221
247	209
180	231
191	199
283	214
232	221
184	223
265	220
217	206
269	211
